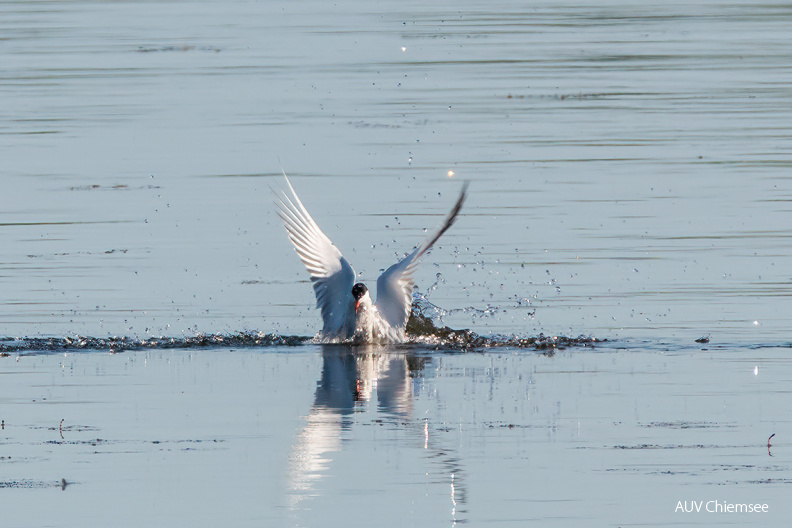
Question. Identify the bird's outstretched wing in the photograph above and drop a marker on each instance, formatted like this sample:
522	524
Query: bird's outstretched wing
331	274
395	285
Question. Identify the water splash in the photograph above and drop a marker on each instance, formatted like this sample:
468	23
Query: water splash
422	330
119	344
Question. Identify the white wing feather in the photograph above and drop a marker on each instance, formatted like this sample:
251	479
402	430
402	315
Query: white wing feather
331	274
395	285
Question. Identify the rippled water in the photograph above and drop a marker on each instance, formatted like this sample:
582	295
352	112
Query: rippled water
629	163
629	168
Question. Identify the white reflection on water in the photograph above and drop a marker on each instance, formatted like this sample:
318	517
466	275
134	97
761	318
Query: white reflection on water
350	377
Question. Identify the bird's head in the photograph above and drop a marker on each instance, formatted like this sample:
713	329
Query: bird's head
359	291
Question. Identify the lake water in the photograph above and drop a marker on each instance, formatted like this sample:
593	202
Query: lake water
308	436
630	181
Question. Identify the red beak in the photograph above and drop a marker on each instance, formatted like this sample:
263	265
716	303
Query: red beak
357	305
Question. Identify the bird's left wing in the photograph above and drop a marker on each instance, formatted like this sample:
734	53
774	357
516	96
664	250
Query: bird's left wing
331	274
395	285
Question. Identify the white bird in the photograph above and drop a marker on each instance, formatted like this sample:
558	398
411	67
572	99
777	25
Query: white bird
347	309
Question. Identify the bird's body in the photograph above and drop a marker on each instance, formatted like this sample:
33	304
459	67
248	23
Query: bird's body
348	312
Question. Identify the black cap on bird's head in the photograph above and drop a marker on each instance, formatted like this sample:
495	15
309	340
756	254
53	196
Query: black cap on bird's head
358	291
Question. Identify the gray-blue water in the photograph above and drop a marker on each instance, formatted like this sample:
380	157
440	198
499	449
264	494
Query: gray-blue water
310	436
630	180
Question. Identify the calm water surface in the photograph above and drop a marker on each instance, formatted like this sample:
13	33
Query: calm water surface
307	436
630	180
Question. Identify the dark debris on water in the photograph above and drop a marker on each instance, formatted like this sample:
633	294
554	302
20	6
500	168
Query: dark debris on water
31	484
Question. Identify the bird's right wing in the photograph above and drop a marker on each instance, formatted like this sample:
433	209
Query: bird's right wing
331	274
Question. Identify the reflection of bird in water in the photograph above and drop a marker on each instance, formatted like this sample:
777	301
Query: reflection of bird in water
350	375
347	308
351	378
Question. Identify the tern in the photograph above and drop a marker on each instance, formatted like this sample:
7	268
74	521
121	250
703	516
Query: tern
348	312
